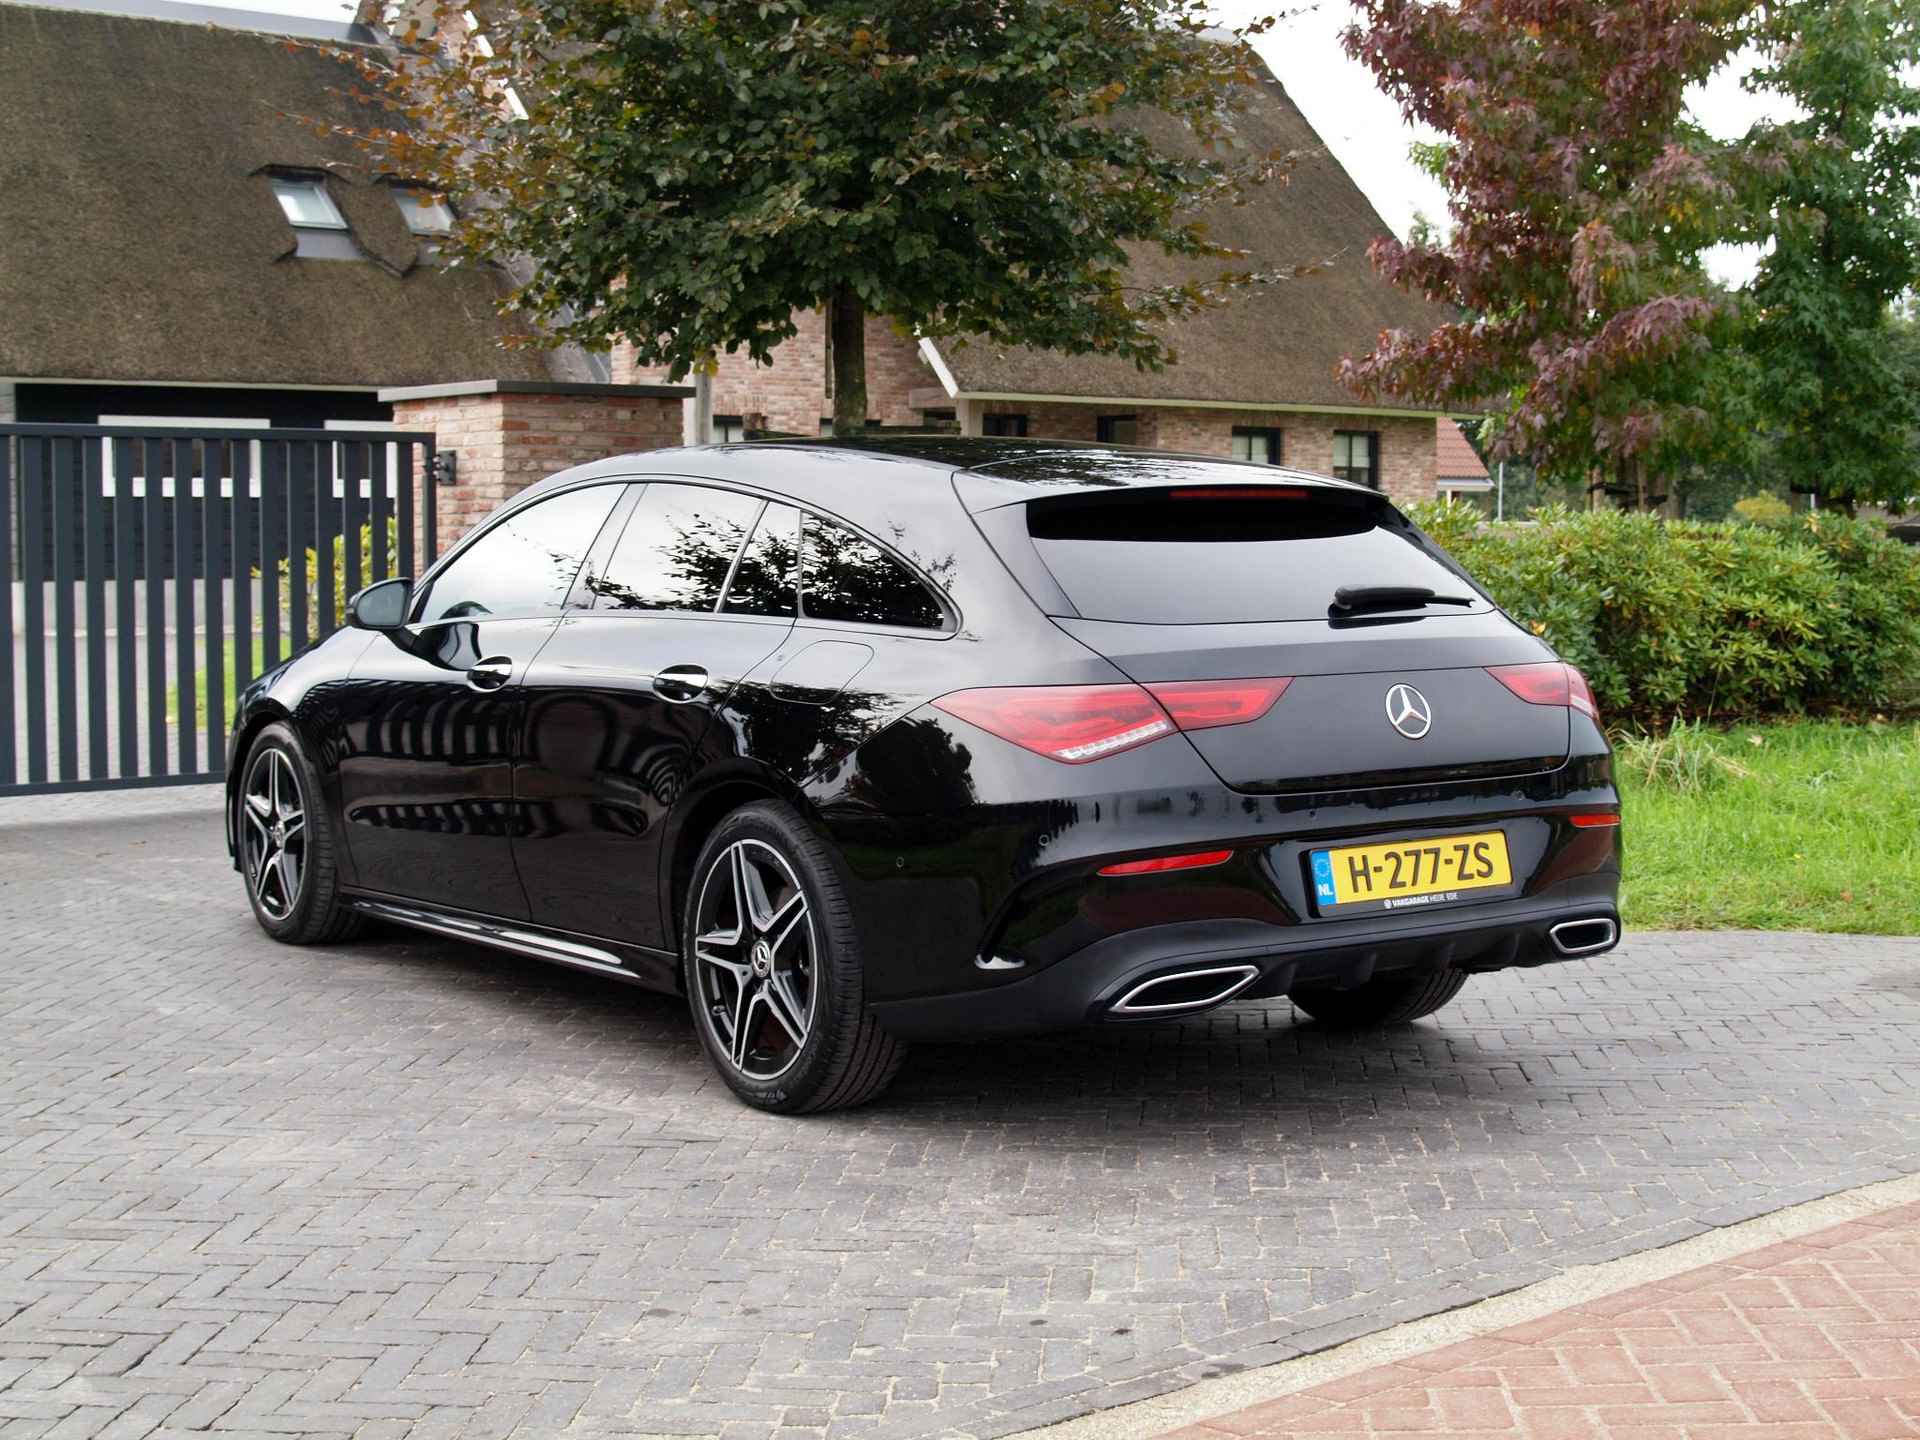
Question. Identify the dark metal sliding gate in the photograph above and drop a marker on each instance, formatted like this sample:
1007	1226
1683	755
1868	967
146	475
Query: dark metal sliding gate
147	575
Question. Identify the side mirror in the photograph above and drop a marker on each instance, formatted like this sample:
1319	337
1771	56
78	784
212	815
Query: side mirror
382	606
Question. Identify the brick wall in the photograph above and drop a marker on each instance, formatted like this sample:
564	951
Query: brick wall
1407	454
505	436
791	394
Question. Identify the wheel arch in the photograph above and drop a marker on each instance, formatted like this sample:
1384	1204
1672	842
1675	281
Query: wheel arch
698	813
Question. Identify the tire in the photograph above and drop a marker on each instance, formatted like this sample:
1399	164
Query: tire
774	969
288	848
1384	1000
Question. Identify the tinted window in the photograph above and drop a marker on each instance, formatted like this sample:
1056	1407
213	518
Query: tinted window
1196	557
676	550
844	577
525	564
767	579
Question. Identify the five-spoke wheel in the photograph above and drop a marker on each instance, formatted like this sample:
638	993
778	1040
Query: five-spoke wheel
274	841
754	959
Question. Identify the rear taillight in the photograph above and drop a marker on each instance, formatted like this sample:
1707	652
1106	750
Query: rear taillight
1203	704
1078	723
1550	682
1160	864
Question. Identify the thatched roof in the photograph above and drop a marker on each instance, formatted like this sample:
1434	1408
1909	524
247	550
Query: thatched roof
1271	347
139	239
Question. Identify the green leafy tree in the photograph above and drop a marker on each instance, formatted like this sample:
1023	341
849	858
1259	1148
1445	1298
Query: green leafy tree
687	175
1831	382
1581	200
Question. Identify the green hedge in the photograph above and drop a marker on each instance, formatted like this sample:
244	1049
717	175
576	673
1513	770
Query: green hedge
1725	620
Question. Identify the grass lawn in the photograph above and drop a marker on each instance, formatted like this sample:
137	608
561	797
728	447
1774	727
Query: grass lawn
227	673
1801	826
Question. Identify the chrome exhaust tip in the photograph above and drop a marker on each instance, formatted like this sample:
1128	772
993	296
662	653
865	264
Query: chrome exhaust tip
1584	937
1185	990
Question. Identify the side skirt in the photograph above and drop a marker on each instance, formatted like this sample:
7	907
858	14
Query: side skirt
656	970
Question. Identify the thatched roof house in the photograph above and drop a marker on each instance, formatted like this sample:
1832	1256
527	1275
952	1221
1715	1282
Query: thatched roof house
173	240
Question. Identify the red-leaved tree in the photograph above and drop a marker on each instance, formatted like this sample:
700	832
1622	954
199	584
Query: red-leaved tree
1581	201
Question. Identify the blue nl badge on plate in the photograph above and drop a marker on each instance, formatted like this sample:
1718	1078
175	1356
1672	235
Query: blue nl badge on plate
1323	890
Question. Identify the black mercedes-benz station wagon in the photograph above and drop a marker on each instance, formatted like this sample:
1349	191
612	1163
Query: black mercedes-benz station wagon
860	743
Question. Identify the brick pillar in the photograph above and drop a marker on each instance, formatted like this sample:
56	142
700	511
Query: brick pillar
506	434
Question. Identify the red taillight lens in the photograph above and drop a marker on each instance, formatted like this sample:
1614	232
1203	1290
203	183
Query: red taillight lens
1600	820
1078	723
1551	682
1203	704
1070	723
1198	860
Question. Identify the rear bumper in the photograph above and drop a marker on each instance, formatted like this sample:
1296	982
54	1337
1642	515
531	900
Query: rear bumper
1087	987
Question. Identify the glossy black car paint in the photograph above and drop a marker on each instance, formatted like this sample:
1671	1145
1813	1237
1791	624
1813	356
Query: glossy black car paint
570	802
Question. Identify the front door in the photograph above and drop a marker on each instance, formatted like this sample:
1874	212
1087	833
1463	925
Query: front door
621	701
432	714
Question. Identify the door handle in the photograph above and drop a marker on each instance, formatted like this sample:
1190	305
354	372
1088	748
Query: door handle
491	673
680	683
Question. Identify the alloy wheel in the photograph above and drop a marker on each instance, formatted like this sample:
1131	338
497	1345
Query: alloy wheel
754	959
275	838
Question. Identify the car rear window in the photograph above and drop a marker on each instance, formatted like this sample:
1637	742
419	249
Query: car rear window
1220	555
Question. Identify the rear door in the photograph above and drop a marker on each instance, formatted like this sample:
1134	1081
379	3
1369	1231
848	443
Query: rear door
622	699
1238	582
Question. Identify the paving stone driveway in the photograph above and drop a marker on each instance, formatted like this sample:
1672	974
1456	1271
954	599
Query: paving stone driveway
411	1189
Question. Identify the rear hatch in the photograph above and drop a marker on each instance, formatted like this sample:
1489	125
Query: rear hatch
1323	583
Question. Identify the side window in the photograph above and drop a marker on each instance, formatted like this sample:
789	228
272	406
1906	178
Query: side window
767	577
524	565
677	549
843	577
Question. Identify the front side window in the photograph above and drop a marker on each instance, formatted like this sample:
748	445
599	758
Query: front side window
677	549
1261	446
523	566
846	578
1356	457
1118	429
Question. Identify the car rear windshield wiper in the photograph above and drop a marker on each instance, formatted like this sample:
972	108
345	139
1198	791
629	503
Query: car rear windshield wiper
1351	599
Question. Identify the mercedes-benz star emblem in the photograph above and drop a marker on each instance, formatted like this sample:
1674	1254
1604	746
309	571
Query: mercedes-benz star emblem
1408	711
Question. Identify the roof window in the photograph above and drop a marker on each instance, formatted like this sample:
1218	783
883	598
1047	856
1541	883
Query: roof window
319	229
426	213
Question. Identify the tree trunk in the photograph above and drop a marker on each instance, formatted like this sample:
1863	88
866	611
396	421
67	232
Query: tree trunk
847	333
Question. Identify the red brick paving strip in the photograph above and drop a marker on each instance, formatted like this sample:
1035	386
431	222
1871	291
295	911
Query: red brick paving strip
1805	1340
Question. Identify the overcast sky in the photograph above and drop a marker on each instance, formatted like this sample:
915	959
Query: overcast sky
1361	126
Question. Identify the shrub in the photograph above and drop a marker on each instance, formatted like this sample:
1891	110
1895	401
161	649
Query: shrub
340	593
1763	510
1724	619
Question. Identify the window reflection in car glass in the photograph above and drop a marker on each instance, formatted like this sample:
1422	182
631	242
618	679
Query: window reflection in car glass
846	578
766	581
676	550
523	566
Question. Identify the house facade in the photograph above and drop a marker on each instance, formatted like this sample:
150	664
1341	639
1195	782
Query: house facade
1254	379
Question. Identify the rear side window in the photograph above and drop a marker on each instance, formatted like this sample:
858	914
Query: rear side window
847	578
1221	555
677	549
766	580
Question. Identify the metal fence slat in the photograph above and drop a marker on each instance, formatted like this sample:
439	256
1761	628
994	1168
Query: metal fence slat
33	610
63	476
273	547
93	511
245	511
326	518
429	483
9	774
153	518
126	640
216	564
186	699
403	502
381	524
300	503
353	470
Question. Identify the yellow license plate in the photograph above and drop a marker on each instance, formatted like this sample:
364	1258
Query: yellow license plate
1406	874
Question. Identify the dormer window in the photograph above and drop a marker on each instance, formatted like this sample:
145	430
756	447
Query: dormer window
426	213
319	229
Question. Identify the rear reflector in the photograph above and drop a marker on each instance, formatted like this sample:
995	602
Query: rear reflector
1203	704
1551	682
1198	860
1599	821
1078	723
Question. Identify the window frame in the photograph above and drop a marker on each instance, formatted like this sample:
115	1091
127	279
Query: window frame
949	612
423	587
626	508
1372	437
1272	435
316	185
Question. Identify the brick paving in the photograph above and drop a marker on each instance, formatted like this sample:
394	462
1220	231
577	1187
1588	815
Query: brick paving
410	1188
1813	1339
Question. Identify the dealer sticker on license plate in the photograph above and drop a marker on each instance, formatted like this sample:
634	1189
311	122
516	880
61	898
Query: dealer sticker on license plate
1407	874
